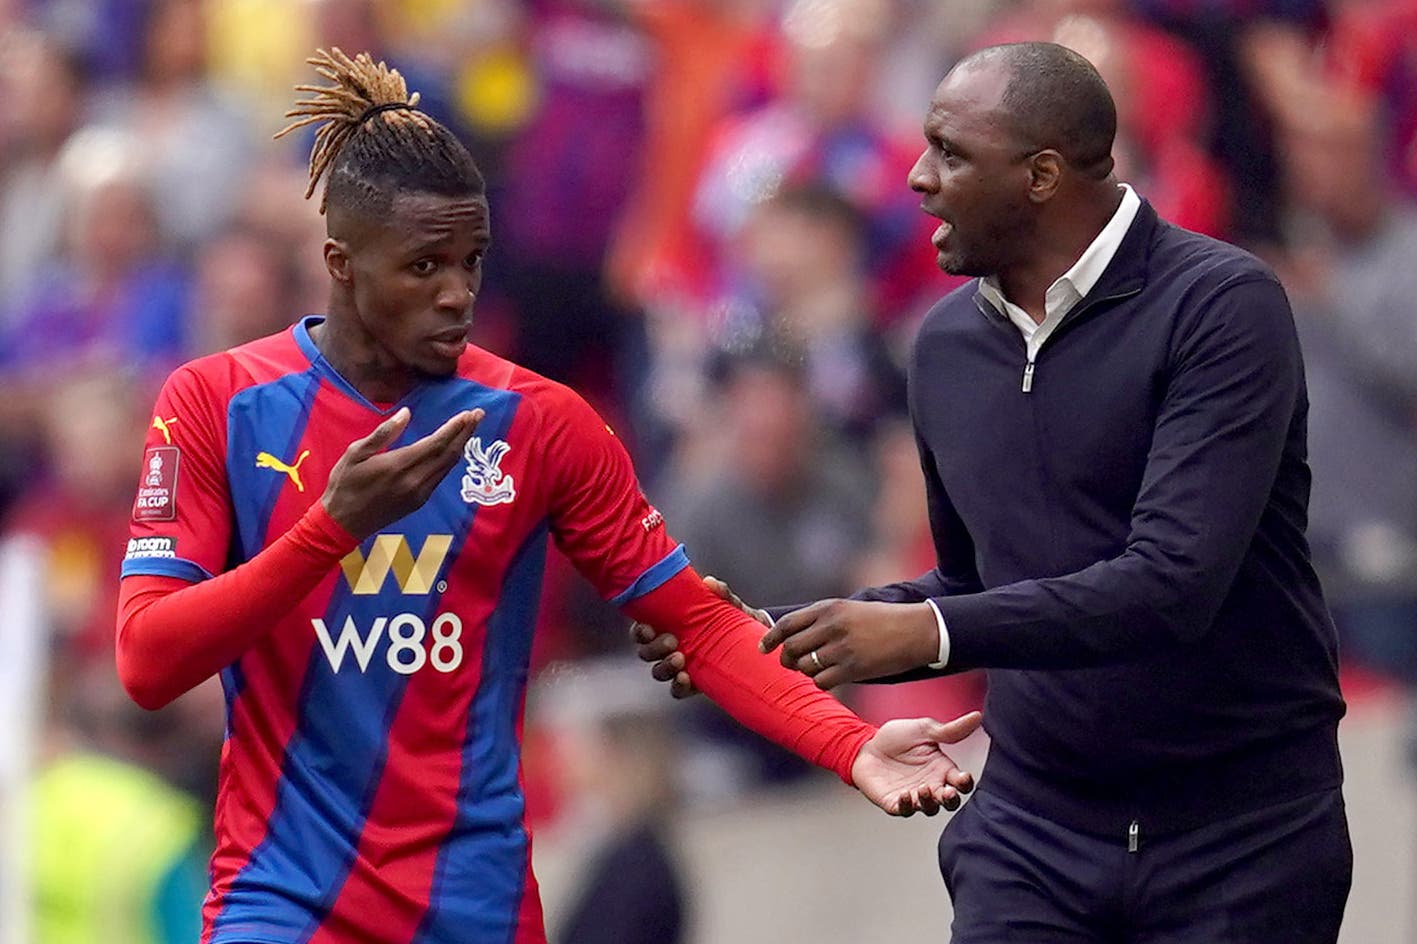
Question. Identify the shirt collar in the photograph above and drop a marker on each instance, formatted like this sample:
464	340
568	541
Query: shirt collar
1094	260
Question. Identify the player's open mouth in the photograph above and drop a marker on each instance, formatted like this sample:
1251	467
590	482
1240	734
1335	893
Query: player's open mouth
450	343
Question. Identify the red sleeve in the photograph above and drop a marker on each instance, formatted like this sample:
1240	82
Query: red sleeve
600	519
720	646
173	635
181	522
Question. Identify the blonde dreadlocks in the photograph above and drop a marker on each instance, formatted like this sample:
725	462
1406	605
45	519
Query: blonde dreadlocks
374	141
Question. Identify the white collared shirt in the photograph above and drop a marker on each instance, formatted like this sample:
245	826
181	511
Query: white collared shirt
1062	297
1073	285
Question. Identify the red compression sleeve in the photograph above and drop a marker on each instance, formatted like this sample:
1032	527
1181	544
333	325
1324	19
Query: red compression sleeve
720	646
173	635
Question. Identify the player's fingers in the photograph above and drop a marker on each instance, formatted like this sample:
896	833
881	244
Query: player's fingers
666	671
641	634
961	780
952	732
949	798
719	587
440	447
929	803
660	647
682	686
383	434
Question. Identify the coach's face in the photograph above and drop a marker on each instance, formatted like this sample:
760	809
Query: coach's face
974	174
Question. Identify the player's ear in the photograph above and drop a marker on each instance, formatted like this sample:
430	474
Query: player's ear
337	260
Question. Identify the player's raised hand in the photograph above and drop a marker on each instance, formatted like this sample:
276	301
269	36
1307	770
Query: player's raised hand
371	487
662	649
904	769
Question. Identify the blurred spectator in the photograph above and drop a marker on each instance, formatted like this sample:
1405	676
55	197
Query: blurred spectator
119	851
618	764
1352	280
821	129
712	58
568	176
113	298
92	432
42	88
1229	36
1373	50
805	255
196	141
775	508
245	289
1161	92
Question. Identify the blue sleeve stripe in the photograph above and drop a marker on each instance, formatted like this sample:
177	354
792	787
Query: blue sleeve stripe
166	567
654	578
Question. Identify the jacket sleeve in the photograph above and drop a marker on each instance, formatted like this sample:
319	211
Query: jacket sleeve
1236	382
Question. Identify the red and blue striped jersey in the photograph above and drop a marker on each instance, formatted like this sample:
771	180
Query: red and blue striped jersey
370	778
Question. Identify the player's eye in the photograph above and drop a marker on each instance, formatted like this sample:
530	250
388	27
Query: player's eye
473	260
424	267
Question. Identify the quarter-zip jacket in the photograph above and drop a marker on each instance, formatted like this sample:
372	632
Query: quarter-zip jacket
1120	540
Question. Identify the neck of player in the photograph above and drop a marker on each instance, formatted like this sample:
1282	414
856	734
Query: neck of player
357	357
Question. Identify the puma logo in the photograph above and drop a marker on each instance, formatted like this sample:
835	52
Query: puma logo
162	426
264	460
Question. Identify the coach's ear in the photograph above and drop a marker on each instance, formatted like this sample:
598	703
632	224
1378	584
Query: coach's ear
337	261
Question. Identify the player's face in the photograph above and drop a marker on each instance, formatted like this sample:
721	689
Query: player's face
415	277
973	175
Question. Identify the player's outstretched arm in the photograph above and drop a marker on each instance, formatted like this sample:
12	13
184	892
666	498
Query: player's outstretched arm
662	649
902	768
173	635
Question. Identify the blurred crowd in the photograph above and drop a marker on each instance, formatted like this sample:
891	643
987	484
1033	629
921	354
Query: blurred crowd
701	221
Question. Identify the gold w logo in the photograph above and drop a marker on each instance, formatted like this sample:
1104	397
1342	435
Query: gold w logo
264	460
162	426
391	552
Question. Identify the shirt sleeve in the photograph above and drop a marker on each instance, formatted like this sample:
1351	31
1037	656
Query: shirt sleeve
172	635
719	643
600	519
181	519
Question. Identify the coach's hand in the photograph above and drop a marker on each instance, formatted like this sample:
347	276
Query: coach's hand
663	649
370	488
904	769
837	641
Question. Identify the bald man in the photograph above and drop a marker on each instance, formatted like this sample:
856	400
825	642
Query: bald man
1111	421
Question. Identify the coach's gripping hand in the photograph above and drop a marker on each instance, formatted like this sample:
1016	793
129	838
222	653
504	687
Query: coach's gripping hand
837	641
663	648
370	488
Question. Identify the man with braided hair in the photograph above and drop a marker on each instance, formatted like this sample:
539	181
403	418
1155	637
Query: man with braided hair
348	522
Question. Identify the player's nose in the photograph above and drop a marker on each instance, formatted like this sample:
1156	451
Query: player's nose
456	294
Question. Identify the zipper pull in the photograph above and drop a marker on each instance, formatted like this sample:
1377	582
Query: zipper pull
1028	377
1133	836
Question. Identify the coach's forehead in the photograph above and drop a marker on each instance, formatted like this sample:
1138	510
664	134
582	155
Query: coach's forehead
970	99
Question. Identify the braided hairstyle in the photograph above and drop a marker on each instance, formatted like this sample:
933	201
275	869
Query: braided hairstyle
373	141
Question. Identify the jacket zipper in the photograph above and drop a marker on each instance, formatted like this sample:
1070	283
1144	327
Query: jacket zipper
1133	836
1071	317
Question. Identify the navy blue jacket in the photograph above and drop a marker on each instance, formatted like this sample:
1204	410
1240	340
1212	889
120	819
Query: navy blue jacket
1123	547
